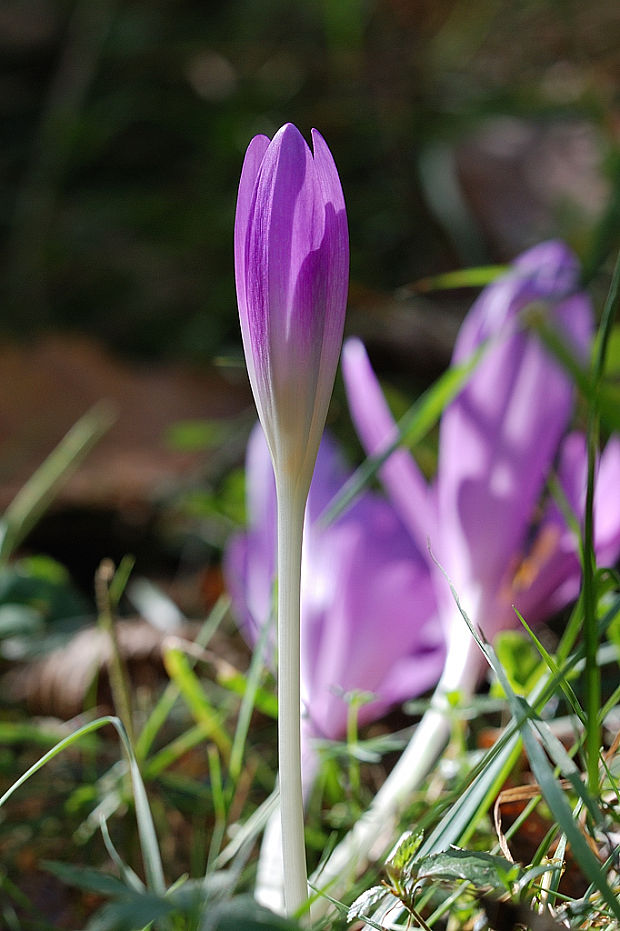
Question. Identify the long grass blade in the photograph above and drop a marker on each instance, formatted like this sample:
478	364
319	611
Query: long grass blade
146	828
31	502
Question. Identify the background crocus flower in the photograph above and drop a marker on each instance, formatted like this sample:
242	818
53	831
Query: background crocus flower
291	272
499	441
368	611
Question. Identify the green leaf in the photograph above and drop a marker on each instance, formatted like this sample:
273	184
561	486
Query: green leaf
245	912
264	701
181	673
132	913
20	620
402	856
481	869
519	659
366	902
83	877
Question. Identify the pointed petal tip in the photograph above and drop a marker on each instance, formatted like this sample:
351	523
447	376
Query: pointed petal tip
288	134
554	267
353	351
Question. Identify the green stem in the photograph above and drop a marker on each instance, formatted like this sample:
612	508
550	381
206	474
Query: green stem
119	678
590	632
291	507
592	671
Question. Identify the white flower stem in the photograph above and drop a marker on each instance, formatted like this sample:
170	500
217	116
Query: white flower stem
291	507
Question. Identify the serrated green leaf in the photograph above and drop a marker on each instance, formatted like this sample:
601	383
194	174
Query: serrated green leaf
366	901
481	869
404	852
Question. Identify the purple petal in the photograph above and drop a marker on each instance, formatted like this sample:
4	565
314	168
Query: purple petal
291	255
358	631
368	605
335	248
498	439
377	430
250	558
549	575
245	198
607	505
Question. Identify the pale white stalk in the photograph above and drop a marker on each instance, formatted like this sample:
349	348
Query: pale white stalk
291	507
374	831
269	886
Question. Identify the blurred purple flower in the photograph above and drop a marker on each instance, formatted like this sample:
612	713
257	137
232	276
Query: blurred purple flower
291	271
368	608
499	441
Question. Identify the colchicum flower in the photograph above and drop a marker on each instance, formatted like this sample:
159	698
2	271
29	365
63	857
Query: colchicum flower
368	609
491	527
291	272
499	441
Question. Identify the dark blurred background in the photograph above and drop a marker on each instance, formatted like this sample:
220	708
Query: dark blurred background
463	131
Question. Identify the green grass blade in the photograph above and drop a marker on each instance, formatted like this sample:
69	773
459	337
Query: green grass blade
477	277
173	751
461	818
553	667
146	828
164	706
417	422
131	879
257	665
590	625
180	671
563	814
34	498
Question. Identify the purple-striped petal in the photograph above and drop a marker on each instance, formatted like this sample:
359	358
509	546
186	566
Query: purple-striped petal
498	439
358	634
549	574
368	614
291	256
377	430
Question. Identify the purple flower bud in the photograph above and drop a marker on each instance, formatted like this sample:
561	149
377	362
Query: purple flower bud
291	269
